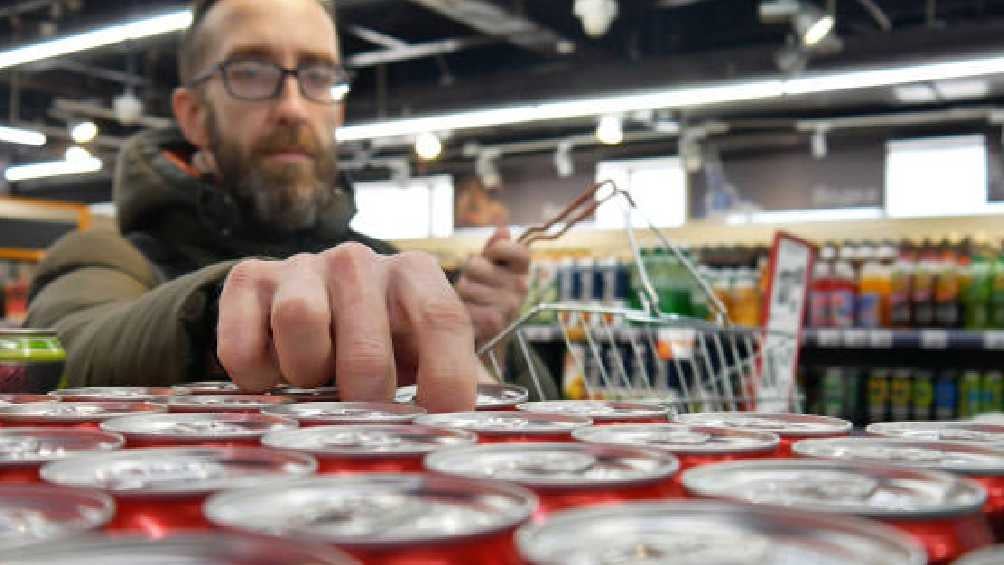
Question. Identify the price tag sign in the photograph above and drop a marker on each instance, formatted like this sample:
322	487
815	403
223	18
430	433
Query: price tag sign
934	339
788	284
855	339
993	340
828	338
880	339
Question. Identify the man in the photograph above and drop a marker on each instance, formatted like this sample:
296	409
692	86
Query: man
255	175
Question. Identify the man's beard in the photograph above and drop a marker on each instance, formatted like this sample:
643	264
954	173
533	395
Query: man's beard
279	198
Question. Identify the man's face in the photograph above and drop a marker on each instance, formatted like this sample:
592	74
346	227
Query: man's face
276	157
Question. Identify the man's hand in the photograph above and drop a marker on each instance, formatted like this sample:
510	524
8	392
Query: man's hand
369	319
493	285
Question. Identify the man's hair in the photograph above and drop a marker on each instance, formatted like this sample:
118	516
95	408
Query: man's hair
194	44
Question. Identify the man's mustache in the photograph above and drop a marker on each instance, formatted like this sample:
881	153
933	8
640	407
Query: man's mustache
288	140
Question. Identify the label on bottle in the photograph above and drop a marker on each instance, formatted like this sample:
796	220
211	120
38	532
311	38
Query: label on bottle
842	308
869	307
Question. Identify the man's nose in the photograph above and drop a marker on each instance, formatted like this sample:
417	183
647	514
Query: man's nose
291	105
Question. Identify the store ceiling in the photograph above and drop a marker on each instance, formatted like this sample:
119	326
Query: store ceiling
502	51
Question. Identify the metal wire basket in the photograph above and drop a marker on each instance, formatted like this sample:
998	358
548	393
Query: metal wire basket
683	363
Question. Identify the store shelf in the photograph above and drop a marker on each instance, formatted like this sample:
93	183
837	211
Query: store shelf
931	339
927	339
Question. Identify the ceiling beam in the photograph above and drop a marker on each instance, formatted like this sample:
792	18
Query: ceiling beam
493	20
415	51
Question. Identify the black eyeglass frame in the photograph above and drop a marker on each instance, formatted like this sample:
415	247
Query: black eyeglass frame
221	70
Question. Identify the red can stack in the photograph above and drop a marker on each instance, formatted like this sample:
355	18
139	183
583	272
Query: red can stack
566	475
602	412
82	415
161	490
509	427
388	519
790	427
351	449
331	413
220	429
41	514
942	512
24	450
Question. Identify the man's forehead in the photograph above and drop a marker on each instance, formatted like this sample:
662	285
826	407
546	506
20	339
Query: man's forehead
263	27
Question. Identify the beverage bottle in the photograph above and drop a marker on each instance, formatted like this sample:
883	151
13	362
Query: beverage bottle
947	304
901	286
997	294
922	295
874	292
820	290
977	295
745	298
842	295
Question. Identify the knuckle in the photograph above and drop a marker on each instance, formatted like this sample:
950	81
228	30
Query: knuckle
297	311
367	356
246	273
235	357
449	315
416	260
301	260
350	259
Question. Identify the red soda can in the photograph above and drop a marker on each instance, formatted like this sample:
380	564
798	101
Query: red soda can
490	396
941	511
991	435
82	415
112	394
692	445
509	427
219	429
42	514
987	556
697	532
791	427
216	548
206	388
983	464
331	413
25	398
566	475
24	450
320	394
387	519
246	403
602	412
350	449
158	491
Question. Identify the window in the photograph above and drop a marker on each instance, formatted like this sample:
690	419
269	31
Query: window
420	208
658	187
938	176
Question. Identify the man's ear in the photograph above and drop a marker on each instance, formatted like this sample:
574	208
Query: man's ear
190	111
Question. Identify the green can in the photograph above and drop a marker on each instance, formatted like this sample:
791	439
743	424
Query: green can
834	392
993	392
31	361
923	395
970	394
878	395
900	389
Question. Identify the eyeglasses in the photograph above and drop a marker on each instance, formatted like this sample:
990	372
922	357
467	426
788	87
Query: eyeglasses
255	80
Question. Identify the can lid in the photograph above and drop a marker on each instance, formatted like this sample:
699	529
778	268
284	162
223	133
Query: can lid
783	424
948	430
348	412
556	465
226	401
598	410
112	393
993	555
705	533
217	548
324	393
178	471
956	457
362	440
31	446
195	426
25	398
505	423
71	412
489	395
207	387
874	491
379	509
30	514
680	438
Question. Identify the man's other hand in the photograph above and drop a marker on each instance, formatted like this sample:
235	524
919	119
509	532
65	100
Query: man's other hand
374	321
493	285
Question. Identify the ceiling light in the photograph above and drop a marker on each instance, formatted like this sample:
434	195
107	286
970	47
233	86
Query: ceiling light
914	93
596	15
428	146
21	136
961	89
76	153
83	132
128	108
486	167
31	171
819	146
563	163
813	25
610	130
111	35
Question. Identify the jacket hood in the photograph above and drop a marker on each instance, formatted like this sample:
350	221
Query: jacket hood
154	194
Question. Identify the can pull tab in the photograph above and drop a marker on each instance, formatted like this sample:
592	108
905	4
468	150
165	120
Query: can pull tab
911	455
837	489
22	523
690	550
557	463
143	475
970	435
676	437
18	447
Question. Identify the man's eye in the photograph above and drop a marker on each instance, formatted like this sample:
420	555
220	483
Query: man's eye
247	72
